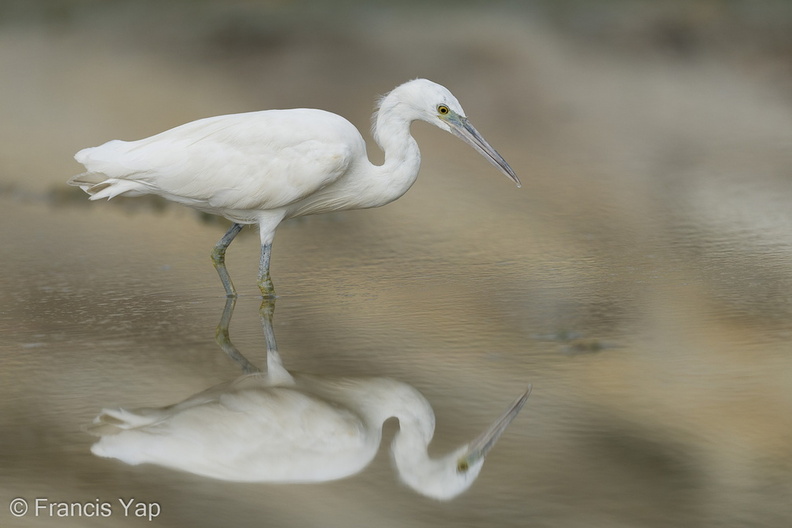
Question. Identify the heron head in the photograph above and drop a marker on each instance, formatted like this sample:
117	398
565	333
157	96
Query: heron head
435	104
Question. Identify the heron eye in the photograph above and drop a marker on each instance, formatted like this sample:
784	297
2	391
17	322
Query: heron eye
443	109
462	466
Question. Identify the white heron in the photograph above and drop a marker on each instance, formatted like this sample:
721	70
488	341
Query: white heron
264	167
280	428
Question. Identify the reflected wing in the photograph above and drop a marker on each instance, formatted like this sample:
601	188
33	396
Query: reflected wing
257	160
268	434
290	421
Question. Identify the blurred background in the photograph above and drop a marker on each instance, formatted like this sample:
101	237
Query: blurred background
640	279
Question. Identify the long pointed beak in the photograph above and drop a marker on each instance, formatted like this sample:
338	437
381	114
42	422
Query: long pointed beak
462	128
479	447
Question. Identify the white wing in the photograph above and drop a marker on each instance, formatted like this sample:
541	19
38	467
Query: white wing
257	160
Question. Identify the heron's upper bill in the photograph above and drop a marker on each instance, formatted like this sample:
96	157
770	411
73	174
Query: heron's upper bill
461	127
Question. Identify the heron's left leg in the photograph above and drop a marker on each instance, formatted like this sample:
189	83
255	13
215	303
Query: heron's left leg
264	280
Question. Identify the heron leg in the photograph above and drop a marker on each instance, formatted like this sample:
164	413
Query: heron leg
264	280
218	258
223	338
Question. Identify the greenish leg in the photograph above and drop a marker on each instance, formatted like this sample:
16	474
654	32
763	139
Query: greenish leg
264	280
218	258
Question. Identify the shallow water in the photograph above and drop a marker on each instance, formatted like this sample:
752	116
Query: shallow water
639	281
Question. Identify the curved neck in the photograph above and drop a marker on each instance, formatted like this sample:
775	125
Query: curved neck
391	131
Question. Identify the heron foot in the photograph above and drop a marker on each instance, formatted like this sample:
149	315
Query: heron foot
267	289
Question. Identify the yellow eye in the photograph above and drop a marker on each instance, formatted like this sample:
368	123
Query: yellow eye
443	109
462	465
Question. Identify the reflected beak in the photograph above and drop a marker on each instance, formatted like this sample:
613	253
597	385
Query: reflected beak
479	447
462	128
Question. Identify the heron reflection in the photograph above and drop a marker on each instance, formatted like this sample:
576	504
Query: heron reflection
281	427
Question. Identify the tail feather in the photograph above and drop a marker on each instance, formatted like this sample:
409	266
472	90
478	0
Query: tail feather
108	172
113	421
98	185
125	435
87	179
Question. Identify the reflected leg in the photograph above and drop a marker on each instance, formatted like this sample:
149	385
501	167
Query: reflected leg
267	312
218	258
223	338
275	369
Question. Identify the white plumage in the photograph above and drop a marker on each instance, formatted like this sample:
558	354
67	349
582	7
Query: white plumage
233	165
281	428
263	167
